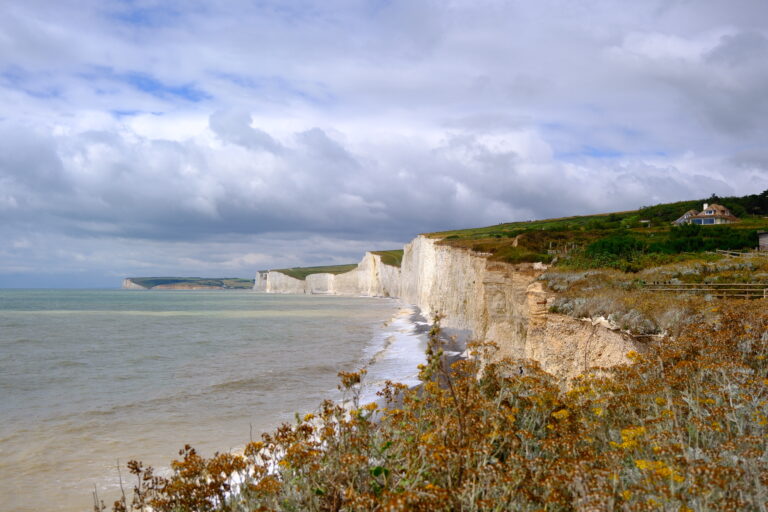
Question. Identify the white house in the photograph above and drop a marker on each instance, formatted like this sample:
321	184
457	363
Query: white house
711	214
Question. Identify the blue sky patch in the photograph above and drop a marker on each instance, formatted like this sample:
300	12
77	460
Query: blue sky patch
596	152
14	77
276	87
144	82
589	152
125	113
142	16
151	85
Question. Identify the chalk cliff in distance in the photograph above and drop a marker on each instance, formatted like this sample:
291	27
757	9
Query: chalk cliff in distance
371	278
130	285
477	299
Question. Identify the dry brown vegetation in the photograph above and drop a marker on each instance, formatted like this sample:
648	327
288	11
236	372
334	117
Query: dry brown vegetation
623	299
683	428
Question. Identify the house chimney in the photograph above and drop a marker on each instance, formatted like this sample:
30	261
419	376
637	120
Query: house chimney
706	205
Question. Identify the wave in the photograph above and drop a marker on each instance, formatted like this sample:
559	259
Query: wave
247	384
71	364
396	352
26	341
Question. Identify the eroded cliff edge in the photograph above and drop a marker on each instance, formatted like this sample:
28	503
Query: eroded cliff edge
477	299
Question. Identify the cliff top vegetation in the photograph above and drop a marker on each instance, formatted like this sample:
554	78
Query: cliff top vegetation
301	273
628	241
632	302
392	258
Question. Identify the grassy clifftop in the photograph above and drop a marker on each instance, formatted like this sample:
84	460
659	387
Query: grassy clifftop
392	258
301	273
629	240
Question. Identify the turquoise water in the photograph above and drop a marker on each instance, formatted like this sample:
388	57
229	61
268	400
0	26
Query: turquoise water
88	377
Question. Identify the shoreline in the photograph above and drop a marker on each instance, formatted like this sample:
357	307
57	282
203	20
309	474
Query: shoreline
177	367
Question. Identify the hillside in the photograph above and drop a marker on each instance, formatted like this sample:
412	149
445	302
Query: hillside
628	241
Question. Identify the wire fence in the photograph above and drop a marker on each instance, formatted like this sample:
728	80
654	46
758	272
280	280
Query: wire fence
723	290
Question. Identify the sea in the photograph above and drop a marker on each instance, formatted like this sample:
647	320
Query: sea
90	379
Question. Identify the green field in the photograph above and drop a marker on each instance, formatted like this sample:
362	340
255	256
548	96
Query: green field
213	282
302	272
392	258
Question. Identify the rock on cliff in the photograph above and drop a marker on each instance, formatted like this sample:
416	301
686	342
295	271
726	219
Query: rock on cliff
477	299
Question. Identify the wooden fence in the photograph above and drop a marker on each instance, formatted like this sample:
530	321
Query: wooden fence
736	253
731	290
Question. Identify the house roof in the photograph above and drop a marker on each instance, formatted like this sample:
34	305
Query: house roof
684	217
719	212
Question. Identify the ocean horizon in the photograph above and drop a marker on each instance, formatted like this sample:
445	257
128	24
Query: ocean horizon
93	377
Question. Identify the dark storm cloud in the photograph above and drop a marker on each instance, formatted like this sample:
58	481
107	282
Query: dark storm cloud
147	136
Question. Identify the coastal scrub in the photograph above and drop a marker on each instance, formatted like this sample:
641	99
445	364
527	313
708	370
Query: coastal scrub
683	427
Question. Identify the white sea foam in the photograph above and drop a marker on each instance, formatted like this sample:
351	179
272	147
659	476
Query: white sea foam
395	352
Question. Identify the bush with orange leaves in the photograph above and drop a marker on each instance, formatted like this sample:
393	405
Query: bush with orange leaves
683	428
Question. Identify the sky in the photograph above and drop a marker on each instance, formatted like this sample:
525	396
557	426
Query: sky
218	138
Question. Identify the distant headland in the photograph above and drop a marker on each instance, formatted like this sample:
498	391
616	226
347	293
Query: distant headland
187	283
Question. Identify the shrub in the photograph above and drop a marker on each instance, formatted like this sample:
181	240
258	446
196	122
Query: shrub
621	245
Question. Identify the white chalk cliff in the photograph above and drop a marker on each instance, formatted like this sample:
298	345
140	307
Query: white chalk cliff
371	278
481	299
130	285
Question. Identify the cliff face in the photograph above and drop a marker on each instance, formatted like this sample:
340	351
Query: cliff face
130	285
505	303
477	299
277	282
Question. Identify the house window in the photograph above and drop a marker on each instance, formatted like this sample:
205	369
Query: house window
707	221
709	212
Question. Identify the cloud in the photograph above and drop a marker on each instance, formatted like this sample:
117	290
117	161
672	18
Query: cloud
143	137
235	127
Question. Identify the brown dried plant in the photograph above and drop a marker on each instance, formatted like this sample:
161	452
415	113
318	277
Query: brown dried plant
685	427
